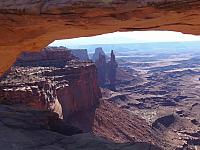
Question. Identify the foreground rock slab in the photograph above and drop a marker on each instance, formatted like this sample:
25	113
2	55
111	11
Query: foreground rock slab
23	128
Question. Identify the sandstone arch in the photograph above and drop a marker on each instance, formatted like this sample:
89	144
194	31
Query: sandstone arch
27	25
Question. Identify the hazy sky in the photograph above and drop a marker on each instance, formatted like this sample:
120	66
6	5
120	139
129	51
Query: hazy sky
128	37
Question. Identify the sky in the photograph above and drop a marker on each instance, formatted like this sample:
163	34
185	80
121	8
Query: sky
128	37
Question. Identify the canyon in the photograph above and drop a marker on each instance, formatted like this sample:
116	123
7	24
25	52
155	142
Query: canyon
57	94
53	80
162	88
62	89
31	110
151	105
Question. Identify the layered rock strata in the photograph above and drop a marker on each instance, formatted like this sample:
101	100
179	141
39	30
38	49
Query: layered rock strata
102	69
81	54
31	25
106	70
49	56
112	70
71	91
122	126
24	128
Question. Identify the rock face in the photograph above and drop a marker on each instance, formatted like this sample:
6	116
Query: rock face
36	93
112	70
49	56
27	118
164	121
52	56
98	52
106	70
101	69
24	128
78	101
122	126
80	97
20	127
81	54
71	91
31	25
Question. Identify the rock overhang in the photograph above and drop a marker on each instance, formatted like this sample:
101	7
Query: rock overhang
29	25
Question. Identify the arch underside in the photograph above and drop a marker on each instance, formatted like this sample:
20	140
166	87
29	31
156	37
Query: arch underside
29	25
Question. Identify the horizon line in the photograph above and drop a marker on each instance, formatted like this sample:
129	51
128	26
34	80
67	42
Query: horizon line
132	43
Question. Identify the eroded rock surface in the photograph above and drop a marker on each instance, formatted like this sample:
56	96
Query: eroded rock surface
112	70
122	126
81	54
49	56
70	89
24	128
33	24
163	91
106	70
101	69
98	52
164	121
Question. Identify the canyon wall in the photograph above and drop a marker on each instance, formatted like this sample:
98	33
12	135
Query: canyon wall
70	89
101	65
121	126
32	24
112	70
81	54
37	93
80	97
106	71
69	92
49	56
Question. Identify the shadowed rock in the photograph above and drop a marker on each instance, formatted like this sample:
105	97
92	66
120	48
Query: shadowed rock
23	128
112	70
69	89
106	70
165	121
81	54
101	68
33	24
98	52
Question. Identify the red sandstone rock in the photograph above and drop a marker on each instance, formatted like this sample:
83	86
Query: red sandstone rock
49	56
101	69
81	54
122	126
33	24
70	90
40	95
112	70
106	70
24	128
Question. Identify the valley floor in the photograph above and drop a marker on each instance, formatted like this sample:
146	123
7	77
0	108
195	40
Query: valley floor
164	92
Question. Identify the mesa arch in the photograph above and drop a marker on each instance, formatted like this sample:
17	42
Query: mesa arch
29	25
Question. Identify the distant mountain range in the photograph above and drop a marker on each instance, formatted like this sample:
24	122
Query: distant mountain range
191	46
